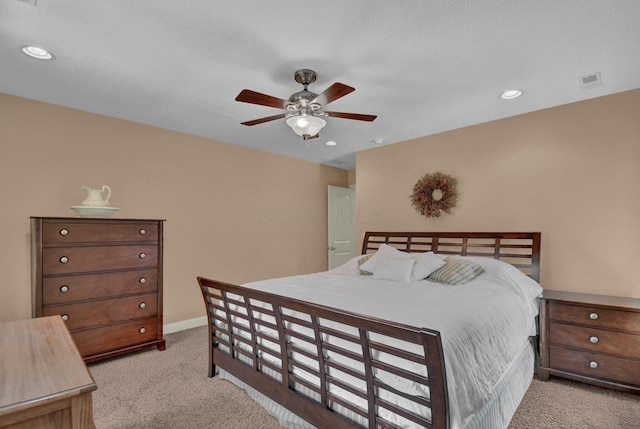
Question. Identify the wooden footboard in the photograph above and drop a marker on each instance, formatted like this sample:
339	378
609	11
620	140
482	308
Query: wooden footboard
330	367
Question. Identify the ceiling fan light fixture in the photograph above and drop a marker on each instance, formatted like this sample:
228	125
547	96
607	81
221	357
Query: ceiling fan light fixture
306	125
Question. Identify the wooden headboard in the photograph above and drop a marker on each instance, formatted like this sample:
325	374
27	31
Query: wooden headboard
521	249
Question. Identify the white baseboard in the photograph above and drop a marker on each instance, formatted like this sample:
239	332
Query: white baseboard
184	324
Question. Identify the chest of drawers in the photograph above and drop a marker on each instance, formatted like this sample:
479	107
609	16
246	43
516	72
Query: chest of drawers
591	338
104	278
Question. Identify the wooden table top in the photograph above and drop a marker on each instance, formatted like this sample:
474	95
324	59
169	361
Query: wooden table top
592	299
39	362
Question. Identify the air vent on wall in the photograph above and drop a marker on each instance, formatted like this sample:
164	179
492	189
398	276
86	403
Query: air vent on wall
590	81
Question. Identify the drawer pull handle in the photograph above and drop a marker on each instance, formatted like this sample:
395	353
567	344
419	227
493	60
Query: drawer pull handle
64	289
142	305
593	340
142	330
142	255
142	232
64	232
142	280
65	317
593	364
64	259
593	316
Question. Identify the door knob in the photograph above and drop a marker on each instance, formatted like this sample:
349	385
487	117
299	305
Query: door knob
332	248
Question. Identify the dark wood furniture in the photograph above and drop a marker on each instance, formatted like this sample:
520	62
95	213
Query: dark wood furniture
594	339
104	278
44	383
239	322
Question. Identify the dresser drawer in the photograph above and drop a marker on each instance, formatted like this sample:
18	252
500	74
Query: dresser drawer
104	339
597	340
607	367
85	232
595	316
66	289
67	260
94	313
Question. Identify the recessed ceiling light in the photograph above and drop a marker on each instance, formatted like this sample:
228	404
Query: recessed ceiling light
331	143
39	53
510	94
378	140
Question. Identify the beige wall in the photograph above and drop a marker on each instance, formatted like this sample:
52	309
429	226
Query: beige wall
232	213
352	177
571	172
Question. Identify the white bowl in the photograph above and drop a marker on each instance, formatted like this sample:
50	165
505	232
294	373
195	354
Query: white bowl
87	211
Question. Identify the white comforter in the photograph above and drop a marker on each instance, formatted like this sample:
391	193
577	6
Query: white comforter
483	323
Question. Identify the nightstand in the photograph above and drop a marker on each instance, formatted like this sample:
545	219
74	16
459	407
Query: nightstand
594	339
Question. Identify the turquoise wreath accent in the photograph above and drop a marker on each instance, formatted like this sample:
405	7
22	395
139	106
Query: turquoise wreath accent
434	194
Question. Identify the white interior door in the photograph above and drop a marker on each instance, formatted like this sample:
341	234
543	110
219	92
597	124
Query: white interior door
342	232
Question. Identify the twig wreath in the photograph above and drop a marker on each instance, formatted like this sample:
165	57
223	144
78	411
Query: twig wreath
435	193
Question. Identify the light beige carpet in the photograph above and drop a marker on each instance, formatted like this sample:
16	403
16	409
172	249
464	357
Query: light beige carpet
170	389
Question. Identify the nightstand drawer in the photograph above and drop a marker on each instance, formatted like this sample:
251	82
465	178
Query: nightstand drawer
595	316
106	311
595	365
66	289
596	340
85	232
68	260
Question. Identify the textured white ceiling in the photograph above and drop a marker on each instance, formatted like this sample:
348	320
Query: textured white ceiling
422	66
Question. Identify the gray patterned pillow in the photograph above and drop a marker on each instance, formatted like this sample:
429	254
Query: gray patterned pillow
362	261
456	271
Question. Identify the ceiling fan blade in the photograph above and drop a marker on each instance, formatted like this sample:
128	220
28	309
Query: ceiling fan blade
248	96
332	93
356	116
263	120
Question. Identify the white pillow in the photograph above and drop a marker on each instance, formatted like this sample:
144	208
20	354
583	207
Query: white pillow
426	263
383	250
396	269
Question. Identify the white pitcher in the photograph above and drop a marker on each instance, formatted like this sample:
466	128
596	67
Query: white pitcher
94	197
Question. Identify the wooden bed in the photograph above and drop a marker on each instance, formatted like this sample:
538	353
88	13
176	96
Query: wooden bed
243	321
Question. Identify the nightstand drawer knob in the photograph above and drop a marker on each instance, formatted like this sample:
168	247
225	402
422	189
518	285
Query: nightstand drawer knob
593	364
593	340
142	255
142	305
142	280
142	232
65	317
593	316
142	330
64	289
64	259
64	232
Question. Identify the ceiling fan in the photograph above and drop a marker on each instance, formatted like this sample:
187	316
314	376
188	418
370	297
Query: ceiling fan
304	108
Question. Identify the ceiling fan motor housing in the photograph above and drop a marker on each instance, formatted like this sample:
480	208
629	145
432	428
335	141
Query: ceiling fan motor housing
303	99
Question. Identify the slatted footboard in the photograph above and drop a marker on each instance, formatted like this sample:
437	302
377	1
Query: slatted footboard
330	367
